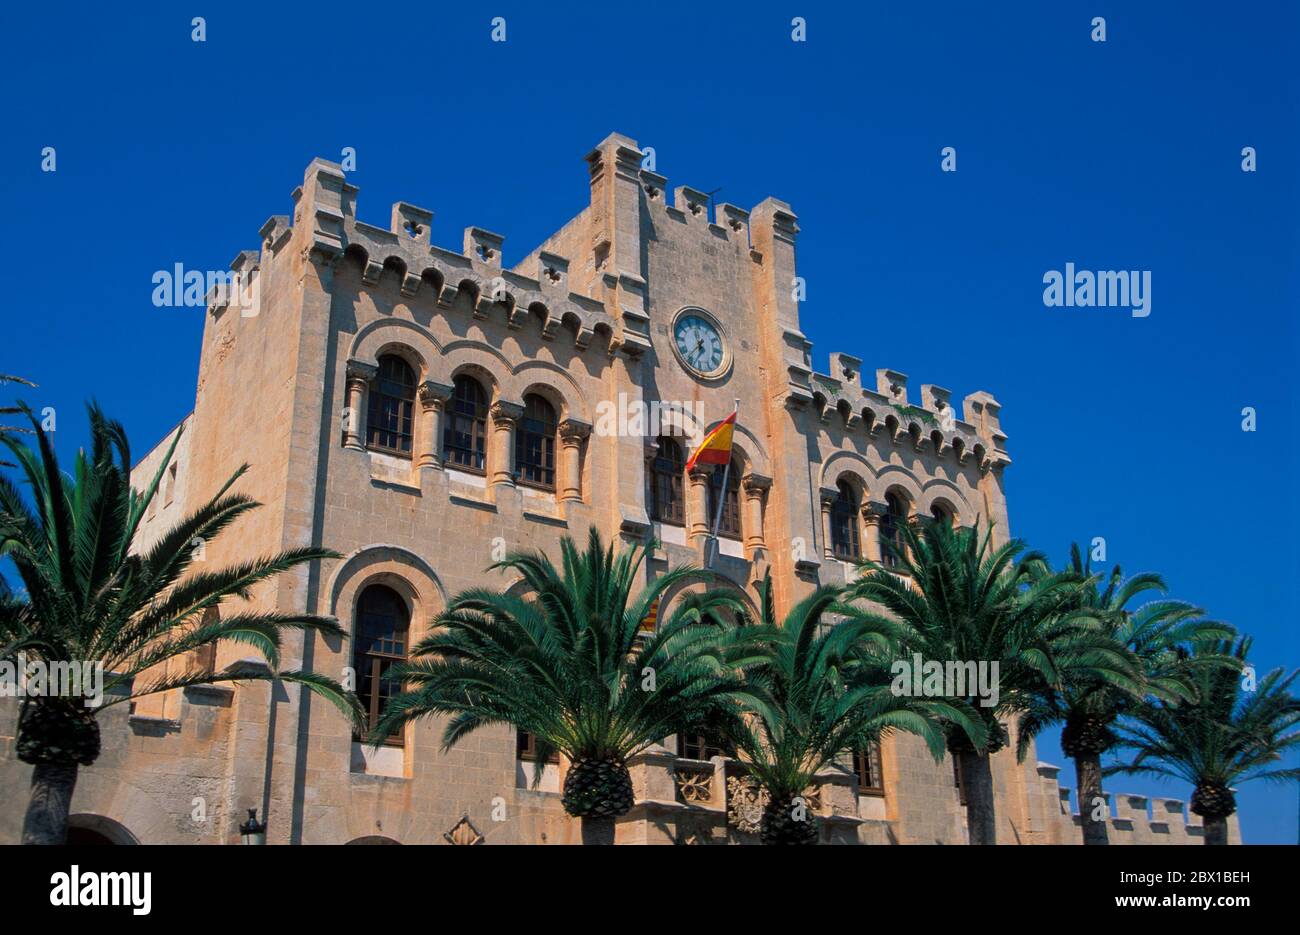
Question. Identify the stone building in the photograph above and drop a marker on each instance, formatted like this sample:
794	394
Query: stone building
419	410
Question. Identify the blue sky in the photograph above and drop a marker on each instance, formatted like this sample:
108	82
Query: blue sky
1115	155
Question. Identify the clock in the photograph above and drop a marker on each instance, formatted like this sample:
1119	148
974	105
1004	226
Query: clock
698	343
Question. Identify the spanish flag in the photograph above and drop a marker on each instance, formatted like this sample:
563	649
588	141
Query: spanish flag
716	447
651	618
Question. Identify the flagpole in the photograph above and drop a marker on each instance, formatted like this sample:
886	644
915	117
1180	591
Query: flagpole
711	549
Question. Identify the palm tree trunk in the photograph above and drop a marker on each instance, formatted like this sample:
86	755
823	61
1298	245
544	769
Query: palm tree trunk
1216	831
977	780
1087	770
46	821
597	830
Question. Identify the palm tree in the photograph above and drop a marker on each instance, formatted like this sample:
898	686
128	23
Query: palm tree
1157	635
89	599
1220	738
823	689
571	666
962	601
12	410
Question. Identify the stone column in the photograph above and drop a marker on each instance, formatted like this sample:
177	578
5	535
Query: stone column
359	376
505	416
827	499
755	486
699	502
433	399
572	435
871	514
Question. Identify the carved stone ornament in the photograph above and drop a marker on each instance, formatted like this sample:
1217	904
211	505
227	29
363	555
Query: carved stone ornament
695	786
745	803
463	832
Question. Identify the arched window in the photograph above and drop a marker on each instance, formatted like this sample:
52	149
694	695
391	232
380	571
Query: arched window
392	400
535	443
891	530
464	440
941	514
844	522
730	525
382	627
667	505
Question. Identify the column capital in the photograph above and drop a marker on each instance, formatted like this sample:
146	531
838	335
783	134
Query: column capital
873	511
505	413
756	484
828	495
434	395
360	371
573	431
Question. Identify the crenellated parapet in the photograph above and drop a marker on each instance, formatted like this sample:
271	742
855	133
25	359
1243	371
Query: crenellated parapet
1131	818
326	227
886	411
625	194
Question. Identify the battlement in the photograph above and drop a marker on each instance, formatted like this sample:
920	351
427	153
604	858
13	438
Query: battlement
886	410
326	228
619	155
1131	818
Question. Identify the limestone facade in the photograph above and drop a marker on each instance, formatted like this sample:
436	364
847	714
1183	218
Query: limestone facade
586	323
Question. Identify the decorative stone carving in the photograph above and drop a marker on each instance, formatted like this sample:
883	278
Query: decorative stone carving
745	803
463	832
694	786
812	798
506	414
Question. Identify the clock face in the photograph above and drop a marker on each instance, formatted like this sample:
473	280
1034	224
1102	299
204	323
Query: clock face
698	344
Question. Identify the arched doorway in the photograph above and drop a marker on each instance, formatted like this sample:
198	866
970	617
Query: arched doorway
96	830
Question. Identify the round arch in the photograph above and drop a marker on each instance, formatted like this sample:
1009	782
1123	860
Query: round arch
842	463
88	828
693	583
892	477
948	496
402	570
552	381
397	336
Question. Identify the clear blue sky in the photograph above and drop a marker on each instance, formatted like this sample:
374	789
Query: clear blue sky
1122	155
